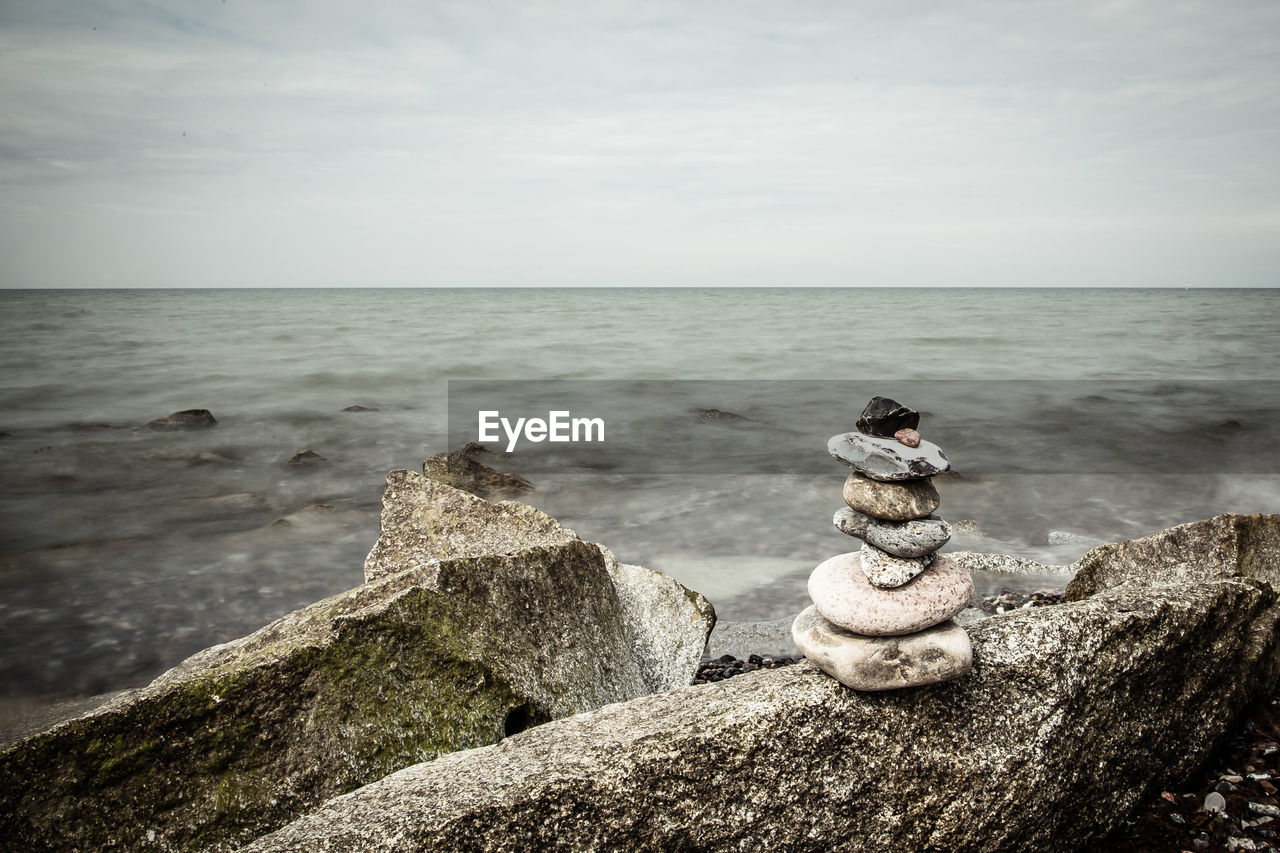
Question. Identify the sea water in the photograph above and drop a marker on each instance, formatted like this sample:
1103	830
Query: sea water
1071	416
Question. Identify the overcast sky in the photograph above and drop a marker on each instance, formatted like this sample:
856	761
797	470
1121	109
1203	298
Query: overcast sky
412	142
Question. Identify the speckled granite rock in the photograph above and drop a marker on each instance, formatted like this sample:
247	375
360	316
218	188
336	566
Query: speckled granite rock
448	654
887	459
890	501
1224	546
844	595
1070	715
935	654
916	538
424	520
886	571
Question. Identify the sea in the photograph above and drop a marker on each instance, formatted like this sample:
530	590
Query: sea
1071	417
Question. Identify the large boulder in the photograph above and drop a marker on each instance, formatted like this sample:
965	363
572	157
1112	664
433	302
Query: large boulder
1225	546
1071	715
447	654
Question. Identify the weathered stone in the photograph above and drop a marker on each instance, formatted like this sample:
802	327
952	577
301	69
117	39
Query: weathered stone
186	419
933	655
886	459
844	595
890	501
1224	546
449	654
915	538
1006	564
909	437
1069	717
359	409
306	459
886	571
460	470
883	417
424	520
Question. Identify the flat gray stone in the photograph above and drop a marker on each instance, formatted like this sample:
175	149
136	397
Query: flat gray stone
890	501
887	459
936	654
887	571
844	595
918	537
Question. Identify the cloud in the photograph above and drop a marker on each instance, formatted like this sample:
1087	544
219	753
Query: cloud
578	143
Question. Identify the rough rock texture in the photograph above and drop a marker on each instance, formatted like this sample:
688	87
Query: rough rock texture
424	520
306	458
186	419
890	501
1070	715
1224	546
887	459
460	470
883	416
450	654
844	595
935	654
915	538
887	571
978	561
909	437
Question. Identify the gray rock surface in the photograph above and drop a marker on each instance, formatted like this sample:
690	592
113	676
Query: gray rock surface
887	459
916	538
460	469
424	519
887	571
890	501
845	596
1225	546
449	654
936	654
977	561
1071	715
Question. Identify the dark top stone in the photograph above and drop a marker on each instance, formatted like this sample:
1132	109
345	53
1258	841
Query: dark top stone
884	417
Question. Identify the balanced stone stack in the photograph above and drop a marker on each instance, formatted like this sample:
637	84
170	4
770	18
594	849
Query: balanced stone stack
882	616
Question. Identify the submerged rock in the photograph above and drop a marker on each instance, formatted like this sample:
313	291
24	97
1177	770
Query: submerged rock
1068	717
306	459
186	419
459	470
450	653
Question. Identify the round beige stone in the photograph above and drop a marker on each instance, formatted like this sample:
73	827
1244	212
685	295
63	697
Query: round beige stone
900	501
936	654
844	595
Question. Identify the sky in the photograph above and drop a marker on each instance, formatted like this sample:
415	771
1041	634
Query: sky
491	143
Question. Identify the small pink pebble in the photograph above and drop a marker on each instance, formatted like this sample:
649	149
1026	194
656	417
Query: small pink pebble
909	437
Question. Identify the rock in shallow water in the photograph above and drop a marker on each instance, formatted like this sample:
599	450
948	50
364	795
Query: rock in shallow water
935	654
883	417
891	501
887	571
844	595
887	459
186	419
915	538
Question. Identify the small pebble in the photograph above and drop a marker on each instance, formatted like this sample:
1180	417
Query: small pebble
1215	802
1263	808
909	437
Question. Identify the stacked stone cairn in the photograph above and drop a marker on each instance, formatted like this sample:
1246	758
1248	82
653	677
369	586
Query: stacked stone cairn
881	617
